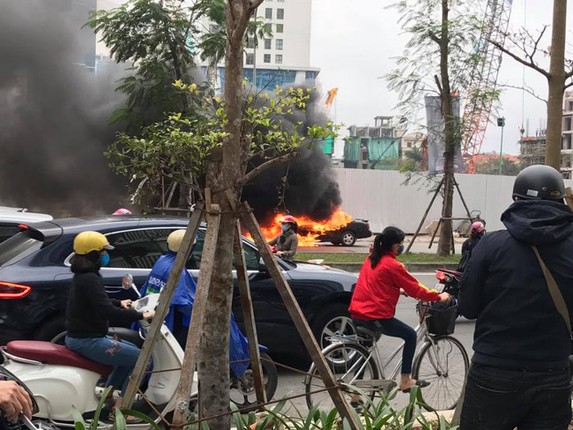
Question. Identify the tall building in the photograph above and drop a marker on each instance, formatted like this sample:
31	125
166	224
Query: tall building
567	136
284	57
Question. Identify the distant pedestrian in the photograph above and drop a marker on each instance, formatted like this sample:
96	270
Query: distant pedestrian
519	376
476	232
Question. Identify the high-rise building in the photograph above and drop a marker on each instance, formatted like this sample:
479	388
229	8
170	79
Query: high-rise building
282	58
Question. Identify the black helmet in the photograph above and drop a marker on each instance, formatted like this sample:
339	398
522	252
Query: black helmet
539	182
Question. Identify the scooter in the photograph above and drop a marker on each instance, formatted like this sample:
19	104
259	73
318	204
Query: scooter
63	381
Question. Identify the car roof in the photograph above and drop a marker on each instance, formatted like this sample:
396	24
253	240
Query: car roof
106	223
17	216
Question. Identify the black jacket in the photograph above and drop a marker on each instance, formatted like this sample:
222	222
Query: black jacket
518	325
89	308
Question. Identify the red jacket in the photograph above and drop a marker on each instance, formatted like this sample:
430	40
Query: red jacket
378	290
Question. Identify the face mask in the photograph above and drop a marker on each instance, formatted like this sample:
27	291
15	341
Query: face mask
104	259
285	227
400	249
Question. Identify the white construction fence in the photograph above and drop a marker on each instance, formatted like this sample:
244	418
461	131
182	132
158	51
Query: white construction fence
381	197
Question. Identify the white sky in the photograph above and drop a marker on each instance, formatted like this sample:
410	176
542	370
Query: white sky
353	43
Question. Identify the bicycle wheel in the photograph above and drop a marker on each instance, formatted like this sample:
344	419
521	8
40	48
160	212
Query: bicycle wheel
444	363
352	366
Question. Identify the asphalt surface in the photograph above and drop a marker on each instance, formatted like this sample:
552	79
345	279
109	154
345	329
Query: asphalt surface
422	244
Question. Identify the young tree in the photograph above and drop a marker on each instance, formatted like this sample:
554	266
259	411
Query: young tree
437	60
526	48
214	145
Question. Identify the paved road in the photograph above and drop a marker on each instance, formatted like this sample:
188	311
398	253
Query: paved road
421	244
291	383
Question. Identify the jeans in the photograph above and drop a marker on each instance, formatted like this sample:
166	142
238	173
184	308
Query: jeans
503	399
396	328
106	350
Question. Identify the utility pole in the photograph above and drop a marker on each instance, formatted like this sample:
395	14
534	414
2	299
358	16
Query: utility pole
501	123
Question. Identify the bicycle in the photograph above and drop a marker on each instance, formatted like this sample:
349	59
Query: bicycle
356	364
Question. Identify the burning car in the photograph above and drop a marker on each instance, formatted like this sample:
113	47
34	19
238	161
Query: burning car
339	229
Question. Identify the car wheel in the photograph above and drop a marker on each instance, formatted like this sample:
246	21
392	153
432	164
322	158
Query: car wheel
348	238
334	320
50	329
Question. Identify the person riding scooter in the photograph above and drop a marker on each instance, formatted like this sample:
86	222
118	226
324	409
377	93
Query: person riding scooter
89	310
476	233
179	316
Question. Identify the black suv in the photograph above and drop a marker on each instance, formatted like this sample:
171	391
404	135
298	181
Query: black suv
35	276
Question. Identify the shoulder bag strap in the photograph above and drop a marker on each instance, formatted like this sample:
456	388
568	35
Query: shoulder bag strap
554	291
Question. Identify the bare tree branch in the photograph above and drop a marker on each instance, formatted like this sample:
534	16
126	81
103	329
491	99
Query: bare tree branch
527	89
264	166
531	64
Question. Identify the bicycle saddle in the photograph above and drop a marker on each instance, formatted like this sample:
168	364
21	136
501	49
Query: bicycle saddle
367	329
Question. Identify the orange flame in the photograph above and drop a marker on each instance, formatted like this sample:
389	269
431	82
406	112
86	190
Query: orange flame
314	228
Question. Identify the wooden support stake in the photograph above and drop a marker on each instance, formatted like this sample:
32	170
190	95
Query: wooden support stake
163	308
249	316
334	389
183	392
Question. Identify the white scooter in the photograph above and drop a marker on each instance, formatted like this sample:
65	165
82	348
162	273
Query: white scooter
62	380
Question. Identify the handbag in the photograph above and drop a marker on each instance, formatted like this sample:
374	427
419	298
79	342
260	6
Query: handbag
554	290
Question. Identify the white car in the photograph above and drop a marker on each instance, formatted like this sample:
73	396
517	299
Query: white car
11	218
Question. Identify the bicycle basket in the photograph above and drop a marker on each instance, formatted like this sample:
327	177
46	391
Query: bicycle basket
441	319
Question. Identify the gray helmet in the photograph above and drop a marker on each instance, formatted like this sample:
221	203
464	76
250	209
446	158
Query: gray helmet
539	182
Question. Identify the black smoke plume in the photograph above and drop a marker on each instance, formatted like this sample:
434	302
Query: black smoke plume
304	186
54	113
54	126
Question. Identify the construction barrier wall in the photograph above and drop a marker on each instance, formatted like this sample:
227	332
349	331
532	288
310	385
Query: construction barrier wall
381	197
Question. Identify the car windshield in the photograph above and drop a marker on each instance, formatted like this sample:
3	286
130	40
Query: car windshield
17	247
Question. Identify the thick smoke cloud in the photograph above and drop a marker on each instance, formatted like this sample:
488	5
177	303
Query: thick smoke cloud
310	187
53	114
54	127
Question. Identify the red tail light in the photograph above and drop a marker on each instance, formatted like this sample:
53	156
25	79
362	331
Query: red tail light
9	290
441	277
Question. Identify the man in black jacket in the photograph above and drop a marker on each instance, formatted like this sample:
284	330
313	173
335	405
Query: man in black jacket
520	368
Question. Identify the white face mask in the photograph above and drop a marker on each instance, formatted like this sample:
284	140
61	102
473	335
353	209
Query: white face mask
285	227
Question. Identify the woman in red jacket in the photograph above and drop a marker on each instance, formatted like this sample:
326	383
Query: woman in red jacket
377	291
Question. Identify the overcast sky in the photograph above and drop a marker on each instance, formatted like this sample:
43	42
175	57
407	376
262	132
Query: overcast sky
353	44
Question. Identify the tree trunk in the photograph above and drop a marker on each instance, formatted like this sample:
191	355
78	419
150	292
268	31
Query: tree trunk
445	241
225	168
556	84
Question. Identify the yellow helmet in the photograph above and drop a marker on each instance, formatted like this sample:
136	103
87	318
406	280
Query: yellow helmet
174	240
88	241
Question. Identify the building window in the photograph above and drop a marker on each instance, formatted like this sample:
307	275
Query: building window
250	59
280	13
268	43
268	13
279	44
267	58
280	1
409	144
250	42
280	28
279	58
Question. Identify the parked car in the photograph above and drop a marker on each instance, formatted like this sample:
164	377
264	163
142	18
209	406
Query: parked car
11	218
35	275
346	235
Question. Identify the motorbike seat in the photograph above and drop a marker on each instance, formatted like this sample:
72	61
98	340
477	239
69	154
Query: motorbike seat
52	353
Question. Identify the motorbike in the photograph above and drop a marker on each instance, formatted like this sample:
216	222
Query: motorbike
64	382
448	281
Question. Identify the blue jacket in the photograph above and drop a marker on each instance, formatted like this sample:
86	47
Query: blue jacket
518	325
182	301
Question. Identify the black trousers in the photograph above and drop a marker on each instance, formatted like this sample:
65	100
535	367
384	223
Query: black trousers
503	399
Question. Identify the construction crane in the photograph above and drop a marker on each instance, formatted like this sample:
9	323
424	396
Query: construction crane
484	79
